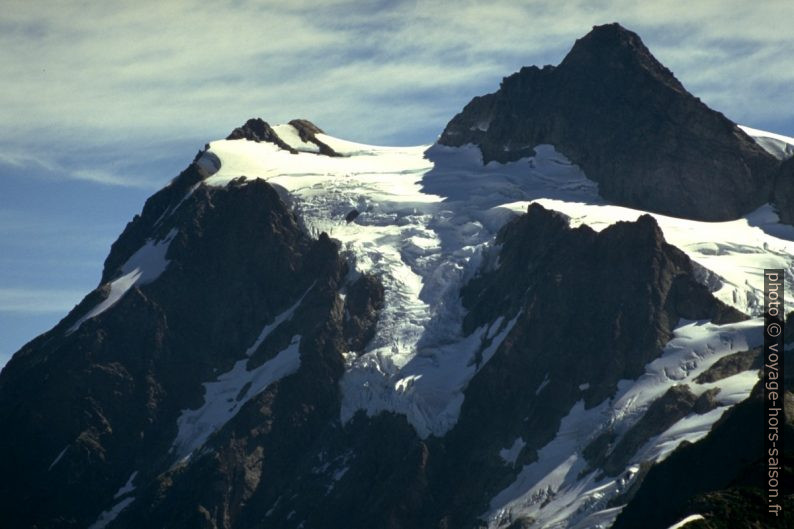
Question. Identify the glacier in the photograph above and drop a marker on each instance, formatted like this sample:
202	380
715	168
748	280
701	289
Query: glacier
427	220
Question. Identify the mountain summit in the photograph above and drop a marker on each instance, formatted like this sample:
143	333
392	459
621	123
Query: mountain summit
614	110
610	48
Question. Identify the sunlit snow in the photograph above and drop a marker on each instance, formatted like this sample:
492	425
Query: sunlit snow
428	217
291	137
779	146
682	523
553	490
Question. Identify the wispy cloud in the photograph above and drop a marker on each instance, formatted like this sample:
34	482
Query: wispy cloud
92	74
47	165
38	301
100	176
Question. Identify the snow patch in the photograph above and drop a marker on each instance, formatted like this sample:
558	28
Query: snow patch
339	474
58	457
224	397
690	518
111	514
144	266
779	146
127	487
510	455
543	384
290	135
208	164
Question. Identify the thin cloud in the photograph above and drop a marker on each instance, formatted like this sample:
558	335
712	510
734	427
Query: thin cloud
94	75
99	176
38	301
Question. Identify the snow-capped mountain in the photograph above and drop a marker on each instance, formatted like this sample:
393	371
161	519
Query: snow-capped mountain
540	321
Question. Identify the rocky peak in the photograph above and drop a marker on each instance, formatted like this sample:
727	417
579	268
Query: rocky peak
308	132
258	130
255	129
623	117
306	128
611	48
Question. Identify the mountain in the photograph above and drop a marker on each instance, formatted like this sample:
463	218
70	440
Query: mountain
614	110
305	332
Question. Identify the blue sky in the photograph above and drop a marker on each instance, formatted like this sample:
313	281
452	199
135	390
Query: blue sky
101	106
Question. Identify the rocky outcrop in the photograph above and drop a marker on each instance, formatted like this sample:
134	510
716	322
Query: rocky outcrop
363	303
352	215
674	405
731	365
308	132
721	477
783	196
265	449
146	224
258	130
623	117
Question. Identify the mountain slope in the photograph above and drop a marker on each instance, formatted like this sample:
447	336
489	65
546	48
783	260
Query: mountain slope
102	391
614	110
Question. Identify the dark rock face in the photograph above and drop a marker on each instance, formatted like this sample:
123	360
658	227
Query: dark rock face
110	392
613	109
352	215
265	449
543	257
364	301
784	191
145	225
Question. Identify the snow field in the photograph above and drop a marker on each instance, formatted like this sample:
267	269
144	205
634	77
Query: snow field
553	490
427	221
